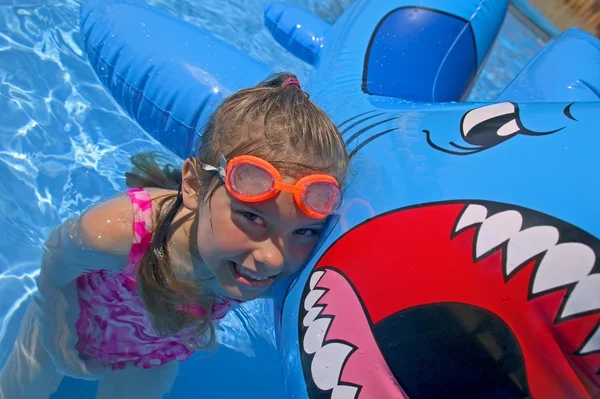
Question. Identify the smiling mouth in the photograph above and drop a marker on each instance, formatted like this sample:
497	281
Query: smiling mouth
248	278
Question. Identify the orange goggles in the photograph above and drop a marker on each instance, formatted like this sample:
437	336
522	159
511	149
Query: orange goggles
252	179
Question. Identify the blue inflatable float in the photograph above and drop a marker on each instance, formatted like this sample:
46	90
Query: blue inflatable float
464	261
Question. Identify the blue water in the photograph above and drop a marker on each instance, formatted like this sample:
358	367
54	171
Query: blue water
64	145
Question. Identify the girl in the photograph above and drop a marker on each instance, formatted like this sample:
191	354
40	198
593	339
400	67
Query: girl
124	295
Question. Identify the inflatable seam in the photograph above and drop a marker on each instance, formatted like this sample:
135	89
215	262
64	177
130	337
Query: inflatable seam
140	91
112	75
456	39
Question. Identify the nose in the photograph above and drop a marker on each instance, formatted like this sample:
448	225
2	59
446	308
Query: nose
268	255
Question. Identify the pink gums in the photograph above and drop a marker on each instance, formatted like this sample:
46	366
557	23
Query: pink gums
365	366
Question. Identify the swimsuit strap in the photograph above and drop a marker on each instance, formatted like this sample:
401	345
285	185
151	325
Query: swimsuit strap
142	227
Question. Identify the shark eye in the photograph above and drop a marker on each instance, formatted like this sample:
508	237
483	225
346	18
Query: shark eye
490	125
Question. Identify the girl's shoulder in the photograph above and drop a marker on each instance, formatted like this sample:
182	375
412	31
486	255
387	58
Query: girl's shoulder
108	226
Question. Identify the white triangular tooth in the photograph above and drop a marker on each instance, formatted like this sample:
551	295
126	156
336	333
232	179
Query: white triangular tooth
344	392
312	310
478	115
327	364
584	297
315	335
310	317
566	263
496	230
473	214
314	279
592	344
528	243
312	298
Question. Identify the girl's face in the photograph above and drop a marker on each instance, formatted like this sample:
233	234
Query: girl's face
246	247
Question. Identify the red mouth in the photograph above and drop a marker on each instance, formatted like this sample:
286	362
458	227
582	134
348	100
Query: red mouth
396	303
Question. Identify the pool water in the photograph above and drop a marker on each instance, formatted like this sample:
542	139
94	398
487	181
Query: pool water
64	145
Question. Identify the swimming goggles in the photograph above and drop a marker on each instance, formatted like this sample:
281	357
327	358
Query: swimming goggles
252	179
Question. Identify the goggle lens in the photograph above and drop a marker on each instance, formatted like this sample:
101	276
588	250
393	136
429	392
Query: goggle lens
322	197
250	180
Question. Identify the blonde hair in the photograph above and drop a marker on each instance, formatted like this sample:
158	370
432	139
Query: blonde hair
278	123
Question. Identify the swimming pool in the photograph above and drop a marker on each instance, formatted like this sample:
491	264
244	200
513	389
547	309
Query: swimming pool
65	145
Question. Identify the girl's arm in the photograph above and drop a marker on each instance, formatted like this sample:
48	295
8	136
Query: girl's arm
100	239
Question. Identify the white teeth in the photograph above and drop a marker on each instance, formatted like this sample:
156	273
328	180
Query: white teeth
248	273
563	264
560	265
314	279
496	230
315	335
527	244
593	343
312	298
474	214
328	358
309	305
476	116
310	317
327	365
584	297
344	392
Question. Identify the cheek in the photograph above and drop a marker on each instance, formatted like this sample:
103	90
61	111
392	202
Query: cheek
220	236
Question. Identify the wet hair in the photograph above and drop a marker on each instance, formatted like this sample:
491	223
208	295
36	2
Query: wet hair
274	120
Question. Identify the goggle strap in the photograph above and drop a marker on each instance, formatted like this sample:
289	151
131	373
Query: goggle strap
222	163
221	169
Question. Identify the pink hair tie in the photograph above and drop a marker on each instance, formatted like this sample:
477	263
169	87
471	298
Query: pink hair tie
290	81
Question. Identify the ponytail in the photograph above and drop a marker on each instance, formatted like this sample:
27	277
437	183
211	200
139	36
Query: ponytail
152	169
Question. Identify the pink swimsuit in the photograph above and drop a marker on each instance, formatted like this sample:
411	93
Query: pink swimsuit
114	326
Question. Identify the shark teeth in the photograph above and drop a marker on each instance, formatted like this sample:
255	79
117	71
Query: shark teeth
539	239
309	305
312	298
564	264
496	230
328	358
327	364
561	265
315	335
592	344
